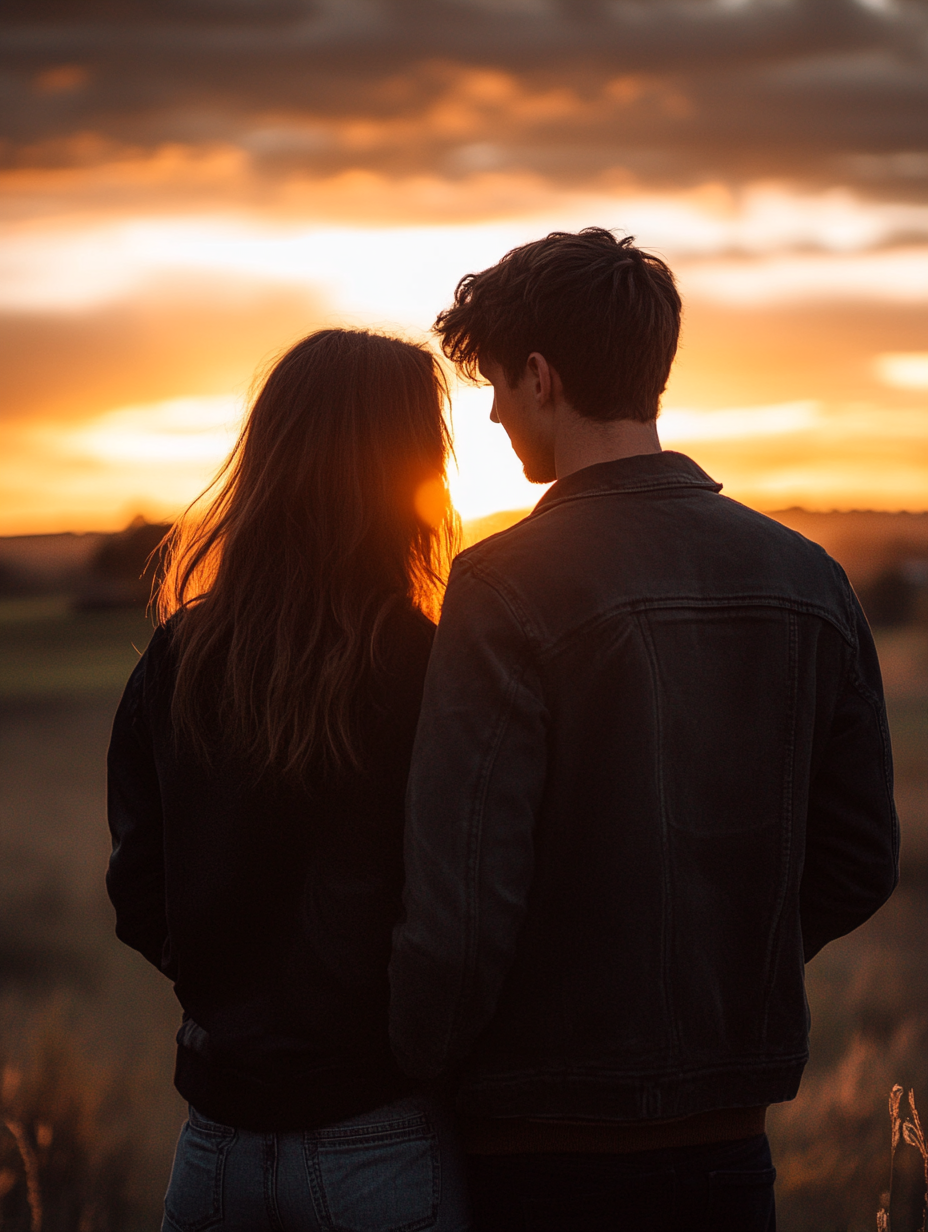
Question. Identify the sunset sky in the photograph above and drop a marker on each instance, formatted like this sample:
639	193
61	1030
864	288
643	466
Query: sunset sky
187	186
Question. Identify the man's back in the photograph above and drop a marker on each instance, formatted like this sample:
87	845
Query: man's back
651	775
648	732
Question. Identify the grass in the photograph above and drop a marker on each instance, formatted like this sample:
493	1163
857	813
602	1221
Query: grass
68	1139
49	650
868	995
86	1028
908	1129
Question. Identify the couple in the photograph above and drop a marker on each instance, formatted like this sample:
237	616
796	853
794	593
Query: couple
502	925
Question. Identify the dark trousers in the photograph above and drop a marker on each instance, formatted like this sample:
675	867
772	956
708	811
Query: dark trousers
723	1187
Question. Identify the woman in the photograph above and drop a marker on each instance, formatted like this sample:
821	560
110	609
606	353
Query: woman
256	776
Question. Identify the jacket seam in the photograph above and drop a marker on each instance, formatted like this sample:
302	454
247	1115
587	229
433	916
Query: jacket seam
877	708
666	886
878	711
509	598
635	606
472	887
786	852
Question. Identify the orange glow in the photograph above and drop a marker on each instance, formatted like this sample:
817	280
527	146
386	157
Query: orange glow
133	334
432	502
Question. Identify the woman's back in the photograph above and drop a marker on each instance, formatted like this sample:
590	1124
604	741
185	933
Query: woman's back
278	897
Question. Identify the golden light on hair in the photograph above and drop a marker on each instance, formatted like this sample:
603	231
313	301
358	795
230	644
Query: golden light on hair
431	502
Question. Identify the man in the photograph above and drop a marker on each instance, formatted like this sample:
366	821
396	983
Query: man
652	776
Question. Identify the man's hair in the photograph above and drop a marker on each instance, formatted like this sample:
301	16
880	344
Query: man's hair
604	314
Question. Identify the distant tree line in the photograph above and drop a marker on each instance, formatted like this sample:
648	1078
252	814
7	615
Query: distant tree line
119	573
898	594
122	569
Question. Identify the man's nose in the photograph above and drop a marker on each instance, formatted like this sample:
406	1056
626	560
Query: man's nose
494	418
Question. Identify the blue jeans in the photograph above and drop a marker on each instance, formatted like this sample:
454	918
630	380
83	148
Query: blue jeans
724	1187
396	1169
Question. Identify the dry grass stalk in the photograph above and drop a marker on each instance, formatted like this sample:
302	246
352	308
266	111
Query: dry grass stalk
31	1169
911	1132
883	1215
70	1165
895	1099
914	1136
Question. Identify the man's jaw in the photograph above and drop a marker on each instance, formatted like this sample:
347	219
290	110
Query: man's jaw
536	455
536	472
538	464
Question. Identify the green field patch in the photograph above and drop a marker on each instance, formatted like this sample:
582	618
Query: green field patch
47	649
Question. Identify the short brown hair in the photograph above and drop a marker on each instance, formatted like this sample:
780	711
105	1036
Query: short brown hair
605	314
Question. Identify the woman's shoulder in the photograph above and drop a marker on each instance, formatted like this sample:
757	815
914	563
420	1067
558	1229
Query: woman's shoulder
160	652
145	679
157	667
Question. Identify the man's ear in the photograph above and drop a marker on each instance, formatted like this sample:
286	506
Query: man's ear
542	378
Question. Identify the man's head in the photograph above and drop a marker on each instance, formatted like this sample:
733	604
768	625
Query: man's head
604	315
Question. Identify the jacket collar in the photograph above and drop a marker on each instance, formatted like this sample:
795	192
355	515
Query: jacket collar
647	472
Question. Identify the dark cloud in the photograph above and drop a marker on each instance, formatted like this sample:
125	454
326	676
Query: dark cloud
667	91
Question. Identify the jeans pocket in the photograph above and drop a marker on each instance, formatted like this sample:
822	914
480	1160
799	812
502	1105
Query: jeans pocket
742	1200
193	1202
375	1178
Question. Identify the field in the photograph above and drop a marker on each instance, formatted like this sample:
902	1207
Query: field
86	1028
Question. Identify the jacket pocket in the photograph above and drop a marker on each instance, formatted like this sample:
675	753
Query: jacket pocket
381	1177
194	1199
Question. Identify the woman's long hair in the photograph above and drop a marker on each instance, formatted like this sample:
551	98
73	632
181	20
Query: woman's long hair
330	511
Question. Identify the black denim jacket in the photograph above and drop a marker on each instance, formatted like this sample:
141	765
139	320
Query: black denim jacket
652	775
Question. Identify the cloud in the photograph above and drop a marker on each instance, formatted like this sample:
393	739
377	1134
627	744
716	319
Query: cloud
736	355
129	406
177	338
757	246
188	185
667	92
902	370
865	457
893	276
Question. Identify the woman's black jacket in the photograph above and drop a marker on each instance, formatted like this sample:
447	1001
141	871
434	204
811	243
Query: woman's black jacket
270	906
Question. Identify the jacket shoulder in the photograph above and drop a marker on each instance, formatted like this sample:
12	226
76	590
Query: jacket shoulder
496	548
584	555
782	541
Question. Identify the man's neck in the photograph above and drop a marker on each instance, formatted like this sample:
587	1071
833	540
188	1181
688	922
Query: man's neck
581	442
